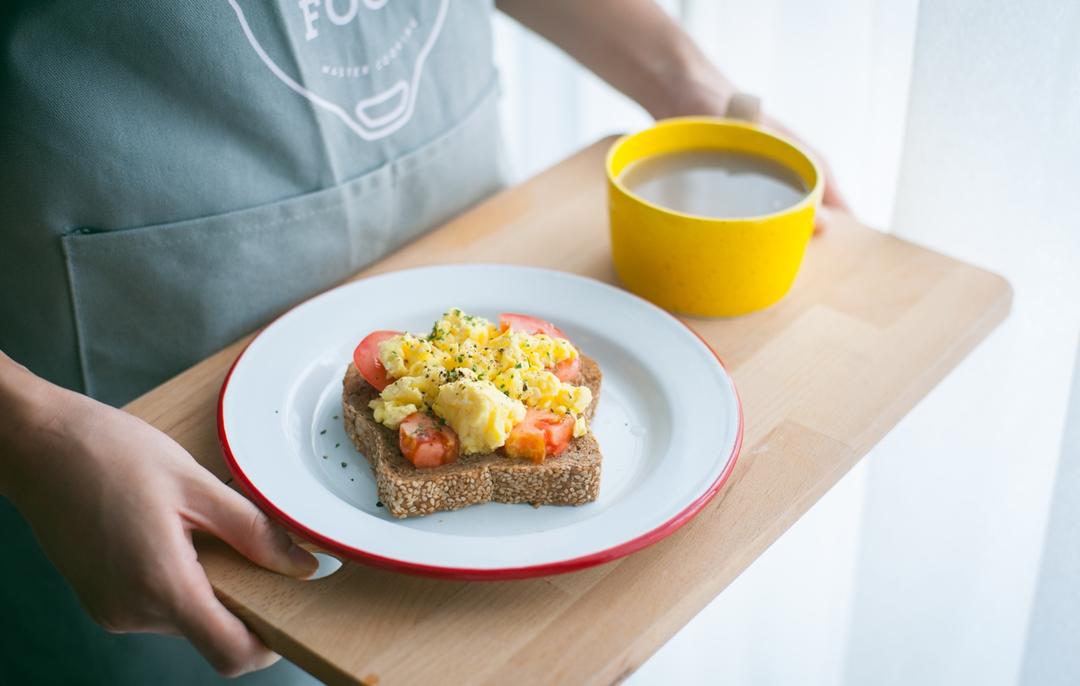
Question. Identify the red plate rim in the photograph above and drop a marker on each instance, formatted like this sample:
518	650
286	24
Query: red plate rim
463	573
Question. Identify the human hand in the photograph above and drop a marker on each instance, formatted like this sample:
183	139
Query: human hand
831	196
113	502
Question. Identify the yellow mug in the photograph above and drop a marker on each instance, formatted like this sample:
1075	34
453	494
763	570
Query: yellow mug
702	265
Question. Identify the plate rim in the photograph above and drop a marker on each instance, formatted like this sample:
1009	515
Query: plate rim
373	559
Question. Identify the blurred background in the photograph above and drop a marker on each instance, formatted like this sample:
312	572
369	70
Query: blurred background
952	553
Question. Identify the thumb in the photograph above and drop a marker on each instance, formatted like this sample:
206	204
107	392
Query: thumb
235	520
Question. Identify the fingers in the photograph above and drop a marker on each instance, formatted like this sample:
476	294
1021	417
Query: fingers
216	633
819	222
832	196
831	199
234	519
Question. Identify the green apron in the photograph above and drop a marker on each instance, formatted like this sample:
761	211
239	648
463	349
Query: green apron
172	175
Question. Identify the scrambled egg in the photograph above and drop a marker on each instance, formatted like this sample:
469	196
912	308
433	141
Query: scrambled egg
477	378
482	416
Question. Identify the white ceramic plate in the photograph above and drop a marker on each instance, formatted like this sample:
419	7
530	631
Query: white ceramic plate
669	425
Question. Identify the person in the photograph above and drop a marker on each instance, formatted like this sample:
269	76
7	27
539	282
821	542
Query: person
173	174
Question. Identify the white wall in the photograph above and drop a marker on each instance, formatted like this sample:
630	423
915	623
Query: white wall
957	499
551	107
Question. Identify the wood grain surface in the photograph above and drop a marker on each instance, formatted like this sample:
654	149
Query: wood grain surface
871	325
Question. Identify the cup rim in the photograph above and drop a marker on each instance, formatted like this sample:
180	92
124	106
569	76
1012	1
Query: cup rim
811	198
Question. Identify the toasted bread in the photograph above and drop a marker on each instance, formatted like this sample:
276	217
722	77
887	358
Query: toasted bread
572	478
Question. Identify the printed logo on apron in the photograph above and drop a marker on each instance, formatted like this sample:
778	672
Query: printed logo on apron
360	60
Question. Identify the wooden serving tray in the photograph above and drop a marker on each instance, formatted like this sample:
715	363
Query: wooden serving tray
871	325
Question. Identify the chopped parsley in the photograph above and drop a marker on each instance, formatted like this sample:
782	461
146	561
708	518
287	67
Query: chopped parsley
437	334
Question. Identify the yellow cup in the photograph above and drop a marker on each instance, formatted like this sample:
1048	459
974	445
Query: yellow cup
702	265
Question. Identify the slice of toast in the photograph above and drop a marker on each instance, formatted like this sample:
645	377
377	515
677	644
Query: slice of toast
572	478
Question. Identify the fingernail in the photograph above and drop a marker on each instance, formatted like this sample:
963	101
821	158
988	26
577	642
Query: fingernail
303	560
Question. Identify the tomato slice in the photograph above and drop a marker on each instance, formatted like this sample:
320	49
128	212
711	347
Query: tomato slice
568	370
530	325
427	442
366	359
541	434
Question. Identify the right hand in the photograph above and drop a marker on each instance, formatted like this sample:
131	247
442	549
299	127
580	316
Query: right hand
114	501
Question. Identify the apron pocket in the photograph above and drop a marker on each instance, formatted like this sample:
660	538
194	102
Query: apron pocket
150	302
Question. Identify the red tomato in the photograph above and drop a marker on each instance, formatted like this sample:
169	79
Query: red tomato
530	325
541	434
366	359
568	370
427	442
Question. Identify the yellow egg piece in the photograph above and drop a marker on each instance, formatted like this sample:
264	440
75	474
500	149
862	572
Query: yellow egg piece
481	415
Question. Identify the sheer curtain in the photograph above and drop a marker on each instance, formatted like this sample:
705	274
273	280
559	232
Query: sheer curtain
957	498
956	125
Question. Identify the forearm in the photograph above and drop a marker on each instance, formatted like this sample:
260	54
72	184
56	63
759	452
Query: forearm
27	417
633	45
